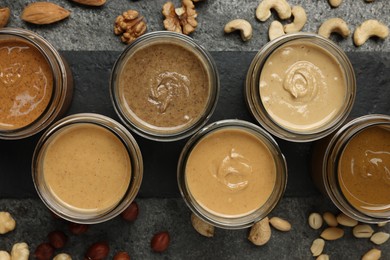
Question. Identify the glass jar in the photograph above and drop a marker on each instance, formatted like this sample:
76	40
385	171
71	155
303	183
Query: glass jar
300	87
350	169
87	168
34	94
231	174
164	86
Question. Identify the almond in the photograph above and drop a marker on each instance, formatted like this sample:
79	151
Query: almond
44	13
4	16
90	2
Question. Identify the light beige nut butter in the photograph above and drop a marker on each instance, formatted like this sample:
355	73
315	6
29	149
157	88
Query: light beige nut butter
164	87
364	170
230	172
26	84
302	86
86	168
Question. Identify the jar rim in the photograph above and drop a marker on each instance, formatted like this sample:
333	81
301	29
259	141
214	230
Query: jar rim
245	220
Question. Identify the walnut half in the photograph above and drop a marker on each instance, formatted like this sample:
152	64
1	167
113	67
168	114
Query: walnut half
181	20
130	25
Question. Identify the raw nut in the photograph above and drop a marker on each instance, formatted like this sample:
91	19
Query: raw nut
62	256
44	13
379	238
382	224
7	222
44	251
160	241
280	224
4	255
323	257
202	227
260	232
90	2
20	251
330	219
332	233
317	246
121	256
362	231
131	212
97	251
315	220
57	239
4	16
344	220
373	254
78	229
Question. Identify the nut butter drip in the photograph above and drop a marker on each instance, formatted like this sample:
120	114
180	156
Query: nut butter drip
364	170
26	84
302	86
230	173
164	87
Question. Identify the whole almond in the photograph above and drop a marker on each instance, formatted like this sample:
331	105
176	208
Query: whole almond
332	233
315	220
260	232
344	220
90	2
4	16
280	224
380	238
202	227
373	254
323	257
44	13
330	219
317	246
362	231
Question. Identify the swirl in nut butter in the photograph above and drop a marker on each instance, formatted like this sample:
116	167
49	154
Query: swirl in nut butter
302	86
26	84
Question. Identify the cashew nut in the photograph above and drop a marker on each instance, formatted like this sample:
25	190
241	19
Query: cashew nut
203	228
369	29
332	25
20	251
242	25
275	30
4	255
263	11
7	223
260	233
300	19
63	256
335	3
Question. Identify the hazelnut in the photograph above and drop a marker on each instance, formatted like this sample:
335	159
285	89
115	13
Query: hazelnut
97	251
160	241
77	229
131	212
121	256
57	239
44	251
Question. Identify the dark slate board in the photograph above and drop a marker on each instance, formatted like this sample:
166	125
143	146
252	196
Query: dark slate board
91	70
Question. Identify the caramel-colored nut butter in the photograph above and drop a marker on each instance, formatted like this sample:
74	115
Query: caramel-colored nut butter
230	172
164	87
87	168
302	86
364	170
26	84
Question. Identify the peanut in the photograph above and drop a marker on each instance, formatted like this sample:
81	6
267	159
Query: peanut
323	257
373	254
260	233
332	233
344	220
315	220
330	219
317	246
362	231
280	224
380	238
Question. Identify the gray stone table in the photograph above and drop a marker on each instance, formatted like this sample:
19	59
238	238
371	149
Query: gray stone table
87	41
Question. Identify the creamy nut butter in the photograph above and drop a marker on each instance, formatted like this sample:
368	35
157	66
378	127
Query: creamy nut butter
302	86
364	170
230	172
164	86
87	168
26	84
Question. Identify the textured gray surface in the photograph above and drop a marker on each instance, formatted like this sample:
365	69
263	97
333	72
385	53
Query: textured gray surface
91	29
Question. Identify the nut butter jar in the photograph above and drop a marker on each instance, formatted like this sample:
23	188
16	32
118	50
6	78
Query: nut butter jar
300	87
36	84
164	86
87	168
231	174
352	168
